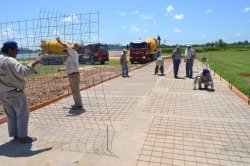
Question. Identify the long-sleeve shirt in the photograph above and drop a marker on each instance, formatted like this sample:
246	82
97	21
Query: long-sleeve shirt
72	62
13	74
204	79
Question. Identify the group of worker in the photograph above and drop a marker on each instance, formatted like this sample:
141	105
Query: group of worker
204	77
13	79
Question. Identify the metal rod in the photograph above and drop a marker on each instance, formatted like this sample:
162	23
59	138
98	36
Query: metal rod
98	29
107	137
249	99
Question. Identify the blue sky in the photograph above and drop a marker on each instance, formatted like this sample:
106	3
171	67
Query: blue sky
176	21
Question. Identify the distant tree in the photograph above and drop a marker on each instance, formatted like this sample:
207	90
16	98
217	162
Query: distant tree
221	43
246	42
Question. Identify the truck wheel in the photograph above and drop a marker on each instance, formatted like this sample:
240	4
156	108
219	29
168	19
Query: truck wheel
149	59
132	62
102	62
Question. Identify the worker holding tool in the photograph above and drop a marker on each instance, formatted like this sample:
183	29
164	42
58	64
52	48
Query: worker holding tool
204	77
12	96
72	69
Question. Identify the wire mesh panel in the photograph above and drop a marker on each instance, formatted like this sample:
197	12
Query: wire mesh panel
57	125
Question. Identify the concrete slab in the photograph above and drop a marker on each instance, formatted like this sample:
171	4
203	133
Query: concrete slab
142	120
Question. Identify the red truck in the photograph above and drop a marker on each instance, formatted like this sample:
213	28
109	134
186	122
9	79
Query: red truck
144	51
98	53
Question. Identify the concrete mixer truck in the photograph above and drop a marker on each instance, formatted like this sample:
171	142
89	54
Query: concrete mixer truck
144	51
54	53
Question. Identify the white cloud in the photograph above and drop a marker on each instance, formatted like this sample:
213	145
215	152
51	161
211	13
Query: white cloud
177	30
147	16
124	27
56	33
71	18
237	34
135	12
134	28
208	11
145	31
247	9
121	13
203	35
178	16
169	10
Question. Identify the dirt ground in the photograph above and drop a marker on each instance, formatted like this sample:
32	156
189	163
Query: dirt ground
40	89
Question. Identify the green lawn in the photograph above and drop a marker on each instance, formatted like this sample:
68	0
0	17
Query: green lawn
230	64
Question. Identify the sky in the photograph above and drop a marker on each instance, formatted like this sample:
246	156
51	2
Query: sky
176	21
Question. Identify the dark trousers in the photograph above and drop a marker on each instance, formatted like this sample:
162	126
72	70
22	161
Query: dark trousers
176	67
189	68
157	69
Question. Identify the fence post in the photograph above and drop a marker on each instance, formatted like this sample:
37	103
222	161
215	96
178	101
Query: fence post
249	99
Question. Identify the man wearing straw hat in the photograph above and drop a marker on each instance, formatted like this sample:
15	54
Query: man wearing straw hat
72	69
12	84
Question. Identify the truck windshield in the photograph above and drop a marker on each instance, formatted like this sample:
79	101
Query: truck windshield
138	45
94	48
103	47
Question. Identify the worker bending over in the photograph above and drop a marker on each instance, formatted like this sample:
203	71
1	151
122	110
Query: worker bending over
159	65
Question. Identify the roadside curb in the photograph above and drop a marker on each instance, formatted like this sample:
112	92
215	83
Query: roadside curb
230	86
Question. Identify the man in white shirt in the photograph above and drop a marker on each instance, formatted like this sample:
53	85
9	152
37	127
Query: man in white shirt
72	69
189	59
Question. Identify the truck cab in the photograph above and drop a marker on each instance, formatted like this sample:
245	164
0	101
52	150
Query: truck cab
139	52
98	53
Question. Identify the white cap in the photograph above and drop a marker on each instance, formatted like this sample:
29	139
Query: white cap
188	45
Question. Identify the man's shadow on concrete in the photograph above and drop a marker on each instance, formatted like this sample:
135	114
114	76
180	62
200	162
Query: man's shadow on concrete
76	112
14	148
161	74
207	89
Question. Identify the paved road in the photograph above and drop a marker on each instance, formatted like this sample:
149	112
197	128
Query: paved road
142	120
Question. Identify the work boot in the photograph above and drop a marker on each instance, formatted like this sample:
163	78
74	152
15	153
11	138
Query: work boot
15	138
76	107
27	139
